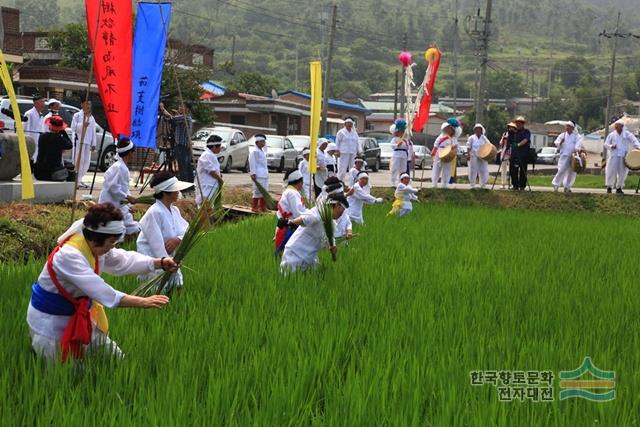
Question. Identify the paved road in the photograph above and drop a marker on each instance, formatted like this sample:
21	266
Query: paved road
378	179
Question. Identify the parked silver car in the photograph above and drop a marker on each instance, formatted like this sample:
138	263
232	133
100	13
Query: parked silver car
423	157
235	148
548	155
385	155
281	154
108	153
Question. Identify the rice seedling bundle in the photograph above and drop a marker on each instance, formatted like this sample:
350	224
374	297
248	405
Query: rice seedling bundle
386	335
272	205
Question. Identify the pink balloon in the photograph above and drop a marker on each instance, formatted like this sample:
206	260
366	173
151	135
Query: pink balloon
405	58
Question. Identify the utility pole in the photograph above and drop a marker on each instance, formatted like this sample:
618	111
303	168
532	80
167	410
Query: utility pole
607	112
395	99
233	51
455	59
478	28
296	85
327	76
403	99
533	87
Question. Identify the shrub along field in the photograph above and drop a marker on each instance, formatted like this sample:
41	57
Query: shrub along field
387	335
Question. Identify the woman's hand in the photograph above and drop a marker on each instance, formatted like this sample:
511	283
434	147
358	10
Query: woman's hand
171	244
166	264
155	301
132	200
333	249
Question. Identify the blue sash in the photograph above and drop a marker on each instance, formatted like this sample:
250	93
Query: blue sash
50	303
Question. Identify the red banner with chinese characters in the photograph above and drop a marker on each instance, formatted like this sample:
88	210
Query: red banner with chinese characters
110	31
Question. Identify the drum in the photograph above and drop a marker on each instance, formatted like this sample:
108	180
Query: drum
632	160
487	152
447	153
579	162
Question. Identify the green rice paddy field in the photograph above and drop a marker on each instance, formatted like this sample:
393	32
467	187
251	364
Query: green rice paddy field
387	335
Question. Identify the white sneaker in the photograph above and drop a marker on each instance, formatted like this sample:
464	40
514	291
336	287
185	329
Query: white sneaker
555	188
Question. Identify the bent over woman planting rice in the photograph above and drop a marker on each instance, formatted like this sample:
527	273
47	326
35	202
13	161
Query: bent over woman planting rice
301	251
66	309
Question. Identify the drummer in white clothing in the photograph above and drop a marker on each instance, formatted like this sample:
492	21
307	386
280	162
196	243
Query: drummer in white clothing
618	144
478	168
569	143
301	251
360	196
259	171
440	170
208	170
115	188
83	148
162	226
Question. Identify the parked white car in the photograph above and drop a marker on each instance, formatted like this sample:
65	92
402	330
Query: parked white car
235	147
108	154
280	152
300	142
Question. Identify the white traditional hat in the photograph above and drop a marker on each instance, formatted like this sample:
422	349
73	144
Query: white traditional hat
170	185
404	175
332	147
53	101
294	176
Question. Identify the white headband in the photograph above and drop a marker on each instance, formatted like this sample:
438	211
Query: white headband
348	120
334	191
404	175
363	175
125	148
111	227
306	151
165	185
260	138
294	176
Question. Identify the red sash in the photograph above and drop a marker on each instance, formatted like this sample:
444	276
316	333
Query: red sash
78	330
436	145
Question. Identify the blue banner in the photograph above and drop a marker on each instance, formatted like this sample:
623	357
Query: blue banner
149	41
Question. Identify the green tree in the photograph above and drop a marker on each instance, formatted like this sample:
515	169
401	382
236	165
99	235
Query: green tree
188	82
504	84
38	15
71	41
253	83
570	70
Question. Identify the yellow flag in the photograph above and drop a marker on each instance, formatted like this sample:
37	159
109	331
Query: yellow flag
25	167
316	108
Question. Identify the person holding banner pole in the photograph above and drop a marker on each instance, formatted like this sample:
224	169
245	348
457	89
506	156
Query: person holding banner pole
183	125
